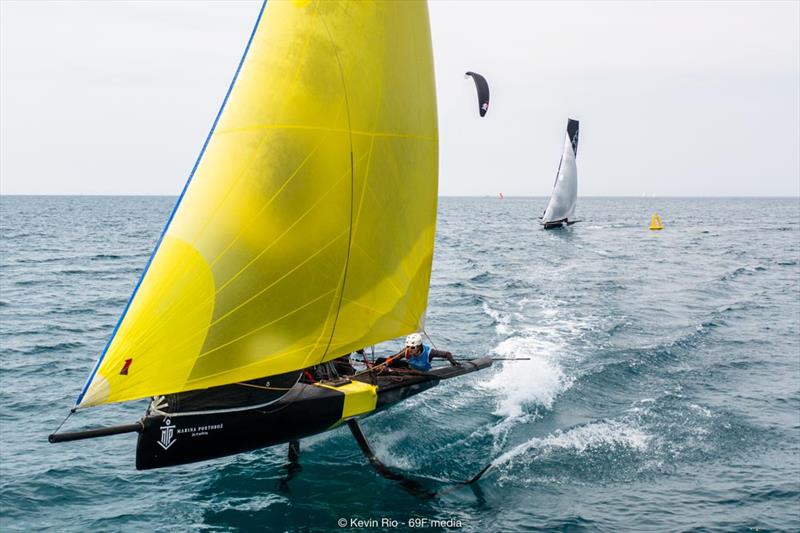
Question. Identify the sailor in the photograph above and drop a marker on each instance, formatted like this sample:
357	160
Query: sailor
419	356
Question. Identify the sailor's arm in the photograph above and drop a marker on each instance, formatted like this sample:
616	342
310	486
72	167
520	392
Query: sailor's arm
441	354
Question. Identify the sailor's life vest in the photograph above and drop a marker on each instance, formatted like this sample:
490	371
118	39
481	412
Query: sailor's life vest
421	361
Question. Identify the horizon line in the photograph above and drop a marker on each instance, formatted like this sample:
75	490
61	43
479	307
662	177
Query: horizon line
505	196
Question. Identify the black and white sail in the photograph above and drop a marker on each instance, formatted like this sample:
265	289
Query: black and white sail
561	208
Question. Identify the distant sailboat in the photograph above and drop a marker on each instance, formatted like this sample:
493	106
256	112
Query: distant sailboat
560	210
655	222
501	196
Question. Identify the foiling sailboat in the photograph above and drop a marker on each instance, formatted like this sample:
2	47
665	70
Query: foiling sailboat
304	233
560	211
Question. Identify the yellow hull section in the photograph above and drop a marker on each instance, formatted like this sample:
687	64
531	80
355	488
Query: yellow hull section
359	399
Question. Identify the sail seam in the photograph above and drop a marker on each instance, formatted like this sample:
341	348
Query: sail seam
174	209
260	127
287	315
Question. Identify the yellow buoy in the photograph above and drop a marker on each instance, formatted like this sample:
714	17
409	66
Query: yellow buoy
655	222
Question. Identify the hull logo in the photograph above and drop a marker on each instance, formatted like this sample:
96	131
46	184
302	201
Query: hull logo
167	434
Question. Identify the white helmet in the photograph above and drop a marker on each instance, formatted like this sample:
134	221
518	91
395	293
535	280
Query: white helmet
413	340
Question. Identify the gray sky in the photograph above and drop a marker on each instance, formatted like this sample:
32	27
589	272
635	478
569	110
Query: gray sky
674	98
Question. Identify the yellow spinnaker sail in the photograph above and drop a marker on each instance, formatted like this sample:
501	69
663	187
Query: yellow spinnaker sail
306	230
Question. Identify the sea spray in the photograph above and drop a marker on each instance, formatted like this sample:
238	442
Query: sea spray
534	382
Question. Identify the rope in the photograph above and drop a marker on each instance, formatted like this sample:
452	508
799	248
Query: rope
263	387
429	338
380	365
71	412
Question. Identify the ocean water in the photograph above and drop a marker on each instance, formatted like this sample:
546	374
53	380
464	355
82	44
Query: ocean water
660	389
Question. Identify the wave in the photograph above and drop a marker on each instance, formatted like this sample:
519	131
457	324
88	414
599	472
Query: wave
514	284
483	277
746	270
44	260
616	366
45	348
30	282
655	436
594	437
384	444
501	320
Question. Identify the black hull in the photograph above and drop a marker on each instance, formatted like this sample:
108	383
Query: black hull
305	410
559	224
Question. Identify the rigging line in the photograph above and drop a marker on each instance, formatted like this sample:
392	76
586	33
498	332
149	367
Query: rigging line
558	171
380	365
196	384
352	188
263	387
429	338
71	412
289	401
